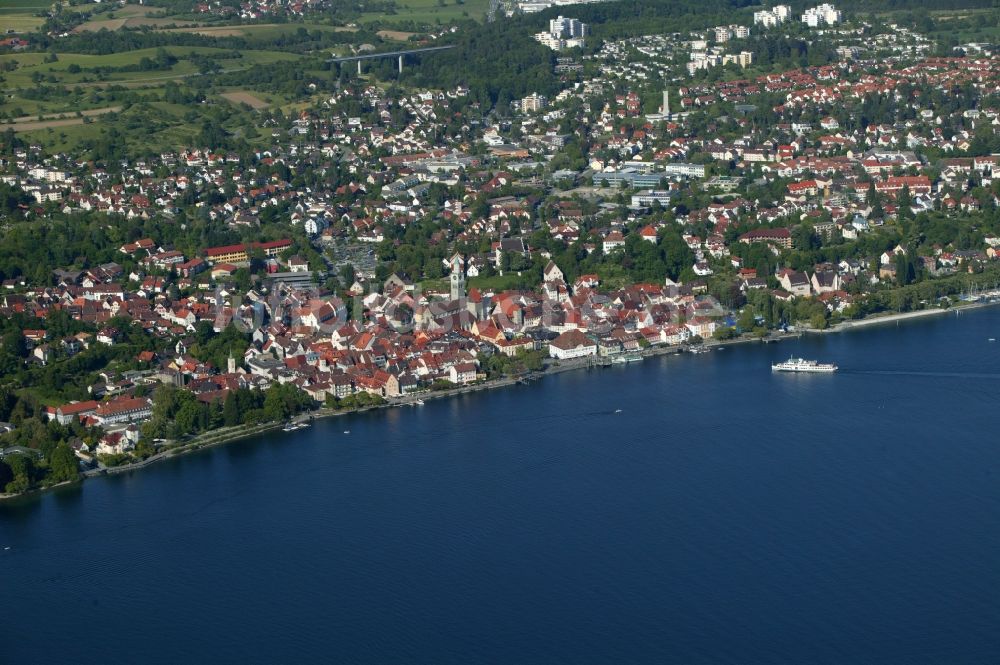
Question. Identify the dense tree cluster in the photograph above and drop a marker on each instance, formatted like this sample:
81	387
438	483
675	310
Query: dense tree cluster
178	413
105	42
45	457
499	62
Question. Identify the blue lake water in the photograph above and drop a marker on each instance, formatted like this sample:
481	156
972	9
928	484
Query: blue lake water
726	515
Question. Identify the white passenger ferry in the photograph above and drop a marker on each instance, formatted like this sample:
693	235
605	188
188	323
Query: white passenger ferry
802	365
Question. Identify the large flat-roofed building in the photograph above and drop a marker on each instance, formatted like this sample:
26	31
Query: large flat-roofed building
650	196
651	179
780	237
241	253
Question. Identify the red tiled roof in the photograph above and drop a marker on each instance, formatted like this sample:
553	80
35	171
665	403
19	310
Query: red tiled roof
79	407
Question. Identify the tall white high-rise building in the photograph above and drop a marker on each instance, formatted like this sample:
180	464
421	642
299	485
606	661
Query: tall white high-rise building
568	28
564	33
825	14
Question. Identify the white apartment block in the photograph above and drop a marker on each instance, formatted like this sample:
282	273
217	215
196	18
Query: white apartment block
648	197
49	175
564	33
568	28
554	43
743	58
713	58
534	102
724	33
772	17
825	14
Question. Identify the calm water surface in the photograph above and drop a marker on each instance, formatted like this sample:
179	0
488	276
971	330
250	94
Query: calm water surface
727	515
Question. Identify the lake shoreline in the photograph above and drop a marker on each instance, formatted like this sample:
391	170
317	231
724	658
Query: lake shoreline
222	436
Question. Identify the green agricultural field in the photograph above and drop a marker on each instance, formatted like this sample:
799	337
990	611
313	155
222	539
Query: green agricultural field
128	11
259	30
15	6
167	131
33	63
29	108
20	23
19	15
239	97
134	23
84	87
149	125
430	12
62	138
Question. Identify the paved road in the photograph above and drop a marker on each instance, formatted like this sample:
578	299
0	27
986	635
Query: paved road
389	54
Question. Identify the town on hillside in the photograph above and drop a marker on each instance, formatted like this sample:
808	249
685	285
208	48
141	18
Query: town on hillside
790	170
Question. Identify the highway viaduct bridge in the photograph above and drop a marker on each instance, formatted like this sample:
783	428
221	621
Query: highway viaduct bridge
389	54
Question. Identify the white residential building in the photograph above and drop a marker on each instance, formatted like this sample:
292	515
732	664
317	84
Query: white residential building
534	102
553	42
724	33
772	17
648	197
743	58
572	344
124	410
564	33
568	28
825	14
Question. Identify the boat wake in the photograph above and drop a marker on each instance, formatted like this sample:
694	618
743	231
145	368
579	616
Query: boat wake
930	375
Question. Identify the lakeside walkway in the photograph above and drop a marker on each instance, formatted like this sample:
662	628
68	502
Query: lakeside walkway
881	319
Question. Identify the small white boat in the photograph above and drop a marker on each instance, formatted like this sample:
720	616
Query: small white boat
347	431
618	410
419	402
991	339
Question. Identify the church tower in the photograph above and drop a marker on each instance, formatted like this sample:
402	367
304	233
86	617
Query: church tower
457	264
